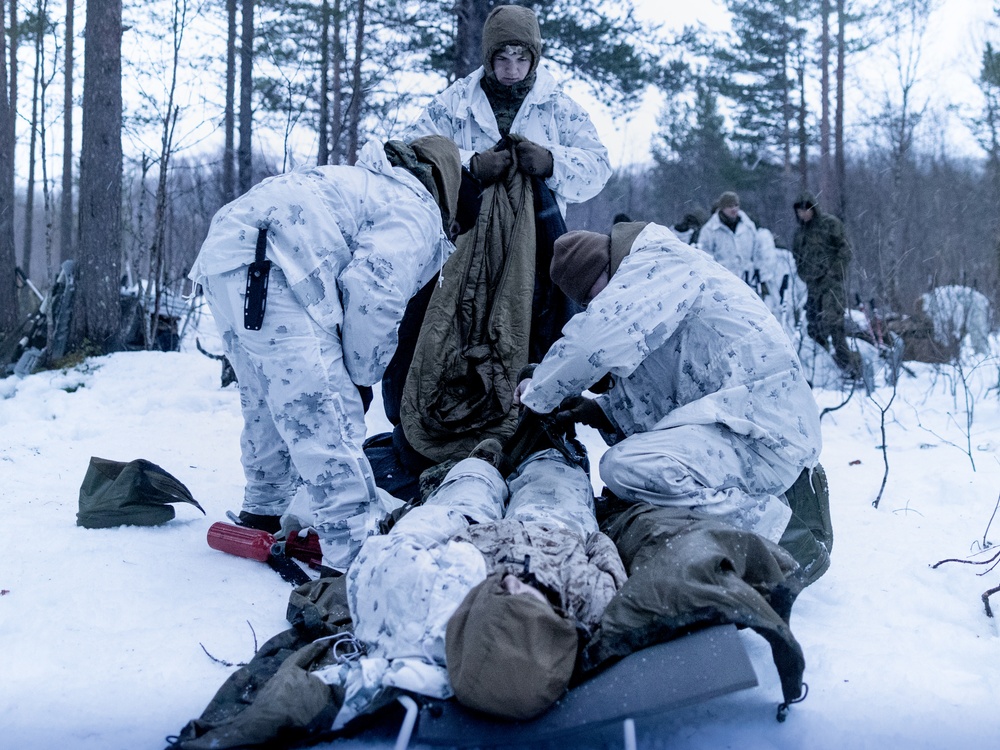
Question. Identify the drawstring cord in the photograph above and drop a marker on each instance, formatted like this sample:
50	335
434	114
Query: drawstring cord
783	708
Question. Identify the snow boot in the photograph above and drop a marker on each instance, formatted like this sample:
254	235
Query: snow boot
270	524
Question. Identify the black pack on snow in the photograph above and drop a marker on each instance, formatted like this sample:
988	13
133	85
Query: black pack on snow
137	493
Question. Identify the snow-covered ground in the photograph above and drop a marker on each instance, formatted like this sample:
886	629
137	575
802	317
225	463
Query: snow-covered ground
104	633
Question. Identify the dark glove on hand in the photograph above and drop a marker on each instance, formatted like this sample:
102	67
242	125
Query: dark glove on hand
579	409
533	159
490	166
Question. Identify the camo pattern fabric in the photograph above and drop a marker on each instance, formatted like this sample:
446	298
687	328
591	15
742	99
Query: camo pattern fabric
739	251
580	164
686	344
349	247
404	586
354	243
550	527
303	420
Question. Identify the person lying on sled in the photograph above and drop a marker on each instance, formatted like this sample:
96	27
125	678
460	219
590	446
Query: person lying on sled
481	592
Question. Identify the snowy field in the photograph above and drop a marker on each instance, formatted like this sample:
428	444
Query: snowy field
104	633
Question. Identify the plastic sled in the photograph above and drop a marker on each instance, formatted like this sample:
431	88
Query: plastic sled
700	666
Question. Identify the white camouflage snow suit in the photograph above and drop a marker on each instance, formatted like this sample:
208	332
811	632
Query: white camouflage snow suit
713	413
349	247
739	251
580	165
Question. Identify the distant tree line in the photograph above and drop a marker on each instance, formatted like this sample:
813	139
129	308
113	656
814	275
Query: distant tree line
119	155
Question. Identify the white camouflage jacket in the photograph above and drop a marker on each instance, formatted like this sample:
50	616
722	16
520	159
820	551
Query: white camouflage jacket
686	343
738	251
580	165
355	244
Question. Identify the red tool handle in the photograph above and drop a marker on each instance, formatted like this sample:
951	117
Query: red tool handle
241	541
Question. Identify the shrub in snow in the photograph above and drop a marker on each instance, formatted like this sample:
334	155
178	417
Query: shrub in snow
956	312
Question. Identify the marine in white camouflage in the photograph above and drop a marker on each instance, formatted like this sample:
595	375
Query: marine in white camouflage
349	247
710	408
547	117
732	240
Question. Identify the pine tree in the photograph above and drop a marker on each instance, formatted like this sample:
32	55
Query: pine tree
96	313
8	258
758	75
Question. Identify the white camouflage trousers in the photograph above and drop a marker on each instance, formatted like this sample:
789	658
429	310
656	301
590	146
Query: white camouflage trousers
708	470
304	421
545	487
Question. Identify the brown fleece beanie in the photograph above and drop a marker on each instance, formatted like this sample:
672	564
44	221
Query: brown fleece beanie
577	260
511	24
729	199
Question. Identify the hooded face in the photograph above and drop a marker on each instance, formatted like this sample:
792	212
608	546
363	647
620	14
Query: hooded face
511	26
805	207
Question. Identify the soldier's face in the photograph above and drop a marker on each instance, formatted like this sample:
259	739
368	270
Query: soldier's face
511	65
732	211
805	214
514	585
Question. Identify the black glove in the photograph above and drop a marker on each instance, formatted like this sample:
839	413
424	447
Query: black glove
533	159
582	410
490	166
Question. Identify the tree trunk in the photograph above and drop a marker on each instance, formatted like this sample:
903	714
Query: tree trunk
357	94
470	15
8	258
323	157
839	193
246	98
66	200
29	200
96	314
229	151
803	133
14	34
786	114
824	125
337	85
47	210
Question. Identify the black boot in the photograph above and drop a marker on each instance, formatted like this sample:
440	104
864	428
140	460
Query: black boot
270	524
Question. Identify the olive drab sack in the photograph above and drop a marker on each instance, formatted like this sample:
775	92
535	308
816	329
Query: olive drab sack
476	331
136	493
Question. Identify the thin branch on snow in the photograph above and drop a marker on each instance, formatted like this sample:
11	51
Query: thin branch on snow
885	454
